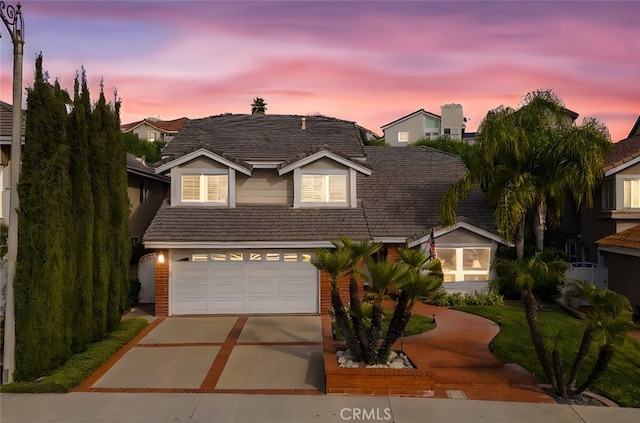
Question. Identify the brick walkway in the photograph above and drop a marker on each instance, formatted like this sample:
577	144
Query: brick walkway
457	351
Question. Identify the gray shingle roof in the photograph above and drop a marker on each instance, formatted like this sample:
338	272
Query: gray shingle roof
267	137
402	195
255	223
135	165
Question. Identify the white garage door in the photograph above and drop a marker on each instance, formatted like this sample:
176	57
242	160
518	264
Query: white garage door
243	287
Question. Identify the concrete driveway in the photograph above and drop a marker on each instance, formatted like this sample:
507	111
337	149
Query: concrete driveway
219	354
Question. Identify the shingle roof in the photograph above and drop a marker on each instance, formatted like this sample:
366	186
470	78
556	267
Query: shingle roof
402	196
419	111
623	151
255	224
162	125
136	165
6	120
629	238
267	137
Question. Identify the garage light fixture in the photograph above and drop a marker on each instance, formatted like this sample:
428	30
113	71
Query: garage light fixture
161	257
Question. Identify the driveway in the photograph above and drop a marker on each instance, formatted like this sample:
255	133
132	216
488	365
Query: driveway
218	354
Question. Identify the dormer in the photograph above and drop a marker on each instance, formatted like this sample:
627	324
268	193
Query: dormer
203	178
324	179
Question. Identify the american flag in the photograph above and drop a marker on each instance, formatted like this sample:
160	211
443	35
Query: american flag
432	247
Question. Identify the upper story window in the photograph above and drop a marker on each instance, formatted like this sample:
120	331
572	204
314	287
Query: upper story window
204	188
609	194
324	188
631	193
403	136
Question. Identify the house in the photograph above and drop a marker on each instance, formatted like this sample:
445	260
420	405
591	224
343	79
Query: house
422	124
6	135
253	196
154	129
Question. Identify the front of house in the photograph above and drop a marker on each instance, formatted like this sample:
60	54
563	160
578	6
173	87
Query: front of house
253	196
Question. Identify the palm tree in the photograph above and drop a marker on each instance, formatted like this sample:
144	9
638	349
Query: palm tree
258	107
529	160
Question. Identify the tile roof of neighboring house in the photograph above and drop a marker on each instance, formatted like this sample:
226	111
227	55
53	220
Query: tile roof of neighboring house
629	238
267	137
402	195
255	224
161	125
417	112
137	166
623	151
6	120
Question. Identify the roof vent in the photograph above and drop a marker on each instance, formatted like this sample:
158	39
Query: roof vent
304	123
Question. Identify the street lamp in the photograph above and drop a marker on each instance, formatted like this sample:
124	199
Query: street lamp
12	19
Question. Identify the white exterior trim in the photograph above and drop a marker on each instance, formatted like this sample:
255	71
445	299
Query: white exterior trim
202	153
464	225
320	155
620	250
238	245
623	166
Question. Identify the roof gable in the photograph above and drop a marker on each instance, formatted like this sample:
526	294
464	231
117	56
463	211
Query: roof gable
320	155
203	152
625	153
169	126
409	116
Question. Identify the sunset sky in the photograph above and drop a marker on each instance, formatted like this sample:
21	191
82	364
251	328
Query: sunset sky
365	61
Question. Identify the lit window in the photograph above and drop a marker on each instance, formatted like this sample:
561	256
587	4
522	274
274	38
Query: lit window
205	188
632	193
152	136
218	257
273	256
290	256
465	264
236	256
255	256
403	136
199	257
324	188
306	257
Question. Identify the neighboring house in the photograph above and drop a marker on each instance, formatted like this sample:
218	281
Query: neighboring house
6	135
422	124
253	197
147	190
154	129
621	253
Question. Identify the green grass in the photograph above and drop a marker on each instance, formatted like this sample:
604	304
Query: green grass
620	382
417	324
81	365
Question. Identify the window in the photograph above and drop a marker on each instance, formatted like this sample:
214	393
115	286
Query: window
144	192
236	256
403	136
205	188
199	257
632	193
273	256
609	194
218	257
324	188
465	264
290	256
255	256
152	136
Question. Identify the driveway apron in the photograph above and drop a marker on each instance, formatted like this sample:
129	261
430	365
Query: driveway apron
218	354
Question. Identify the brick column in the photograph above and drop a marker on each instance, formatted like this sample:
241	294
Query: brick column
162	288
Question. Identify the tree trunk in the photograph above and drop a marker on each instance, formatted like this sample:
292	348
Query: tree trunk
519	239
401	316
375	333
587	338
359	328
536	337
539	223
604	357
342	319
558	370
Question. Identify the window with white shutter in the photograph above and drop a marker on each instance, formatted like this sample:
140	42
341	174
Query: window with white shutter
323	188
205	188
632	193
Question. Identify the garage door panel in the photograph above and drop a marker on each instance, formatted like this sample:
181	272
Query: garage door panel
218	287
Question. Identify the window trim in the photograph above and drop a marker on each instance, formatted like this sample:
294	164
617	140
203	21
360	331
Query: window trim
634	200
326	188
176	186
403	137
459	272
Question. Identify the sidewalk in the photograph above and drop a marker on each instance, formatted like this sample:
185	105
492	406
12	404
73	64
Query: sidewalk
192	408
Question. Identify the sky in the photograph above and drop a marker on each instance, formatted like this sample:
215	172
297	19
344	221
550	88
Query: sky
370	62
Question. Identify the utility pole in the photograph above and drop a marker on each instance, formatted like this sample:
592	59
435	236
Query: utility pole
12	19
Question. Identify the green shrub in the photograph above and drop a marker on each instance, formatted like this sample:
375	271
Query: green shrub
455	299
133	295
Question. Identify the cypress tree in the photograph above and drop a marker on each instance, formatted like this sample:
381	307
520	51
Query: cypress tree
101	231
42	275
82	215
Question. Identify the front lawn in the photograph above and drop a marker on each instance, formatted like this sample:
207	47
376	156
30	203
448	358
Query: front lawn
620	382
80	366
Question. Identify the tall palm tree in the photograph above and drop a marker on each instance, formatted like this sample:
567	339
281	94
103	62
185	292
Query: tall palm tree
258	107
529	160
